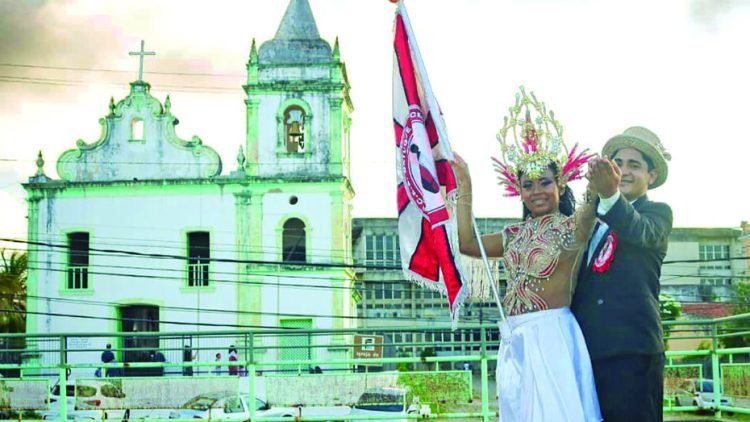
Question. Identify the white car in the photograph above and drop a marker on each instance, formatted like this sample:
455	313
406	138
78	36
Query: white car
704	394
88	402
387	402
226	405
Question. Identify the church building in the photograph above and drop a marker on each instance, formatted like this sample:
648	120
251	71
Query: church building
143	231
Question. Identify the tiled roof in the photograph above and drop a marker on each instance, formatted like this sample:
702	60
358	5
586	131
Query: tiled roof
707	310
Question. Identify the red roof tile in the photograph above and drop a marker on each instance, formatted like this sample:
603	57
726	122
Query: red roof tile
707	310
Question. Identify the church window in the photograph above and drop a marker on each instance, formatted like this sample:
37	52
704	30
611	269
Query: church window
198	259
136	130
294	241
294	129
78	261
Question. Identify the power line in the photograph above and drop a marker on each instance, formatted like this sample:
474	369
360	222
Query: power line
370	285
211	310
210	280
305	277
79	82
182	244
330	265
113	251
99	317
181	163
693	261
84	69
306	264
258	273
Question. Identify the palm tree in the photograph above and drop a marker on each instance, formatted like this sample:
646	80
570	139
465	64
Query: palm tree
13	292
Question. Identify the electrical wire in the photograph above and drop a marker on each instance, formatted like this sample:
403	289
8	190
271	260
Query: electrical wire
85	69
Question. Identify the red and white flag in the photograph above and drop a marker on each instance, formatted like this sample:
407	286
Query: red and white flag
427	231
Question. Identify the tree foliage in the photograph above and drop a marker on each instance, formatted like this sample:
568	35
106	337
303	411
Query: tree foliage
742	307
669	310
13	268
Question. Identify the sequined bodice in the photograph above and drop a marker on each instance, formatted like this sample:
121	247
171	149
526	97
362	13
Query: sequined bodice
541	258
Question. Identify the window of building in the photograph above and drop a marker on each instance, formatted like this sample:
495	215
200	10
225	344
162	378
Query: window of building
382	249
378	288
199	256
294	129
709	252
294	241
136	129
388	291
78	261
405	290
716	281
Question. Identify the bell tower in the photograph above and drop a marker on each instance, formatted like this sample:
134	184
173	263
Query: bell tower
296	209
298	103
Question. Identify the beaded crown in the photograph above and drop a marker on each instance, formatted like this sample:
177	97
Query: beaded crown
530	140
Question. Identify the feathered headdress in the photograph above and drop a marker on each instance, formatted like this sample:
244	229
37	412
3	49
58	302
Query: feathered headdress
536	143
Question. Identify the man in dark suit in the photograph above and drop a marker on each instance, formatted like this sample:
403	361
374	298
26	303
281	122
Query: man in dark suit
616	301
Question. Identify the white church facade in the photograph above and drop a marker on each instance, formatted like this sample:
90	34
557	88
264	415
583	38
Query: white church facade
143	231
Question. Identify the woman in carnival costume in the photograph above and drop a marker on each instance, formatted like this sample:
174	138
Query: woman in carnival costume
543	368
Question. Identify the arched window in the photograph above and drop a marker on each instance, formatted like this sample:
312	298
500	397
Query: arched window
294	129
136	130
293	241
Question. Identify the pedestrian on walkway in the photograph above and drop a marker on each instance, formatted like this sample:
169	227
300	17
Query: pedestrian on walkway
217	368
109	357
188	356
233	370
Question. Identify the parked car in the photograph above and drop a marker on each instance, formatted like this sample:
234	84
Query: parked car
704	394
89	400
226	405
701	395
386	402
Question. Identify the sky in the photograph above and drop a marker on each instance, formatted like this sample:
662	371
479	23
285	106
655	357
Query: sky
680	68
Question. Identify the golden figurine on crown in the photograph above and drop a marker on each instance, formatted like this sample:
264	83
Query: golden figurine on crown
530	140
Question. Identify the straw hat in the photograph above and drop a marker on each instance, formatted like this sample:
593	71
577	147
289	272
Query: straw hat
648	144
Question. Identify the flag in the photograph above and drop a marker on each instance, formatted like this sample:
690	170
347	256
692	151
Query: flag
426	183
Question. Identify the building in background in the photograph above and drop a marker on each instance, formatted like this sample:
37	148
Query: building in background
704	285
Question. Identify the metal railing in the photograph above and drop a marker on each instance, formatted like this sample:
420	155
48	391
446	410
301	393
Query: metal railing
60	358
65	357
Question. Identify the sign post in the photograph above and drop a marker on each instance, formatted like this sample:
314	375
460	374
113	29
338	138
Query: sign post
368	346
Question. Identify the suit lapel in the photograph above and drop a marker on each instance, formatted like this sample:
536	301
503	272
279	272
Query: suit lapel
599	246
637	204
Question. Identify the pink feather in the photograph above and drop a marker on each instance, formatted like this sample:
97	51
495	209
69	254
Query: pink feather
507	178
572	168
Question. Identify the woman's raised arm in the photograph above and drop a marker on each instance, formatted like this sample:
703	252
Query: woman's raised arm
467	240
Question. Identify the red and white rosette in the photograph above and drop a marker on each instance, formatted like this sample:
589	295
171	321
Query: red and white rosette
603	261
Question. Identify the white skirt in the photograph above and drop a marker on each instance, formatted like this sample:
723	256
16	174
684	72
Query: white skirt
544	372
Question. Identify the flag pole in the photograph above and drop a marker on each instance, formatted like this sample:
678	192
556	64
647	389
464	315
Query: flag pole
487	267
430	97
443	136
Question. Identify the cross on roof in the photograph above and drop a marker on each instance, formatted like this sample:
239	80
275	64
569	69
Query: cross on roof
141	53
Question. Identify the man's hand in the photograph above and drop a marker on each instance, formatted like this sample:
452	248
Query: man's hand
604	176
